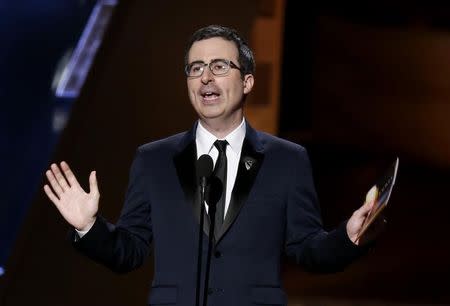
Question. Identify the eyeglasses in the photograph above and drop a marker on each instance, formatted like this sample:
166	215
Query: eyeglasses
216	66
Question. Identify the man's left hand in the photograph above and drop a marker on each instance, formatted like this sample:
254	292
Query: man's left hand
356	222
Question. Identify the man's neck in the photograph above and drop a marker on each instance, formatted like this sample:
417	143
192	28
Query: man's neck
220	128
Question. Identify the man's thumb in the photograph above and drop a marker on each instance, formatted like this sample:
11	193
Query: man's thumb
93	182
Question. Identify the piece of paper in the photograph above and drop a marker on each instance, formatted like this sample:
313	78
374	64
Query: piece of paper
380	193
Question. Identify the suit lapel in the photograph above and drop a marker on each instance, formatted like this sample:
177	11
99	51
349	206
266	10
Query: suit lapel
249	164
185	161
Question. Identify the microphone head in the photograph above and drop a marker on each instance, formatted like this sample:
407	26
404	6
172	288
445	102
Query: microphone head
204	166
214	191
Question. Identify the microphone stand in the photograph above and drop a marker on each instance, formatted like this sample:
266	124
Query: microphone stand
200	240
214	194
211	213
204	168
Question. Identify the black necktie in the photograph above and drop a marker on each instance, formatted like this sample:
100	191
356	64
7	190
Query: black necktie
220	170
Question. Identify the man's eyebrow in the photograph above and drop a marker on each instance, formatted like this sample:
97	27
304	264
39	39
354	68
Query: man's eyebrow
196	62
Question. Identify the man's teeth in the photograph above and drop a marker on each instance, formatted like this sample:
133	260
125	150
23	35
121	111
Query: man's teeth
209	94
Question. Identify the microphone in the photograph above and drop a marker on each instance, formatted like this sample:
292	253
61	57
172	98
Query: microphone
204	169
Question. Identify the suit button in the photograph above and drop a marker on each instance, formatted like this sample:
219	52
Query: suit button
217	254
210	291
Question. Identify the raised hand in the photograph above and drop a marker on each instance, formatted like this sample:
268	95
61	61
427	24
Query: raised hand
75	205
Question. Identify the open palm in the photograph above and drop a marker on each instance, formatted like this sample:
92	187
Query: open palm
78	207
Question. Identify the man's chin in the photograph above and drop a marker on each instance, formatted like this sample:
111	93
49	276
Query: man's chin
211	113
209	117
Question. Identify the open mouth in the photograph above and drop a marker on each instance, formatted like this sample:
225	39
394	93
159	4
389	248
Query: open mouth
209	94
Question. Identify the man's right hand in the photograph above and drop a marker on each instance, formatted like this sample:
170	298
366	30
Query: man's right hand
75	205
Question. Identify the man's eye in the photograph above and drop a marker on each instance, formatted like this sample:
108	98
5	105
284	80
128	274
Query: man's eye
219	67
196	68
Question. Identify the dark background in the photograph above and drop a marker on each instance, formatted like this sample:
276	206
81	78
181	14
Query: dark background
360	85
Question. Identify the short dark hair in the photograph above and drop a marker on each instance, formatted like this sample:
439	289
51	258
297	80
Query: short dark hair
246	59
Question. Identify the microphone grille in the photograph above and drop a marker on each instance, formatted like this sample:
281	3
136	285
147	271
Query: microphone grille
204	166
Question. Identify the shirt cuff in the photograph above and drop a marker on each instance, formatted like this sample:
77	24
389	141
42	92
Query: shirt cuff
82	233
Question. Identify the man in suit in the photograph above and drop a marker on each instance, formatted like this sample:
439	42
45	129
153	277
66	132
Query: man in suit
268	204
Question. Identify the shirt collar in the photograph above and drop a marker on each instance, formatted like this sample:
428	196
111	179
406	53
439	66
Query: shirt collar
205	140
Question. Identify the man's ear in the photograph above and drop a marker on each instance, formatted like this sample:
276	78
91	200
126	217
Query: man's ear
248	83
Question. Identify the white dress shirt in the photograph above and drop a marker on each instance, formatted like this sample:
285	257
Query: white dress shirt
204	141
205	145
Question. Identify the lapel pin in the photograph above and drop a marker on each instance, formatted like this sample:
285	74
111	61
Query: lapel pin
248	162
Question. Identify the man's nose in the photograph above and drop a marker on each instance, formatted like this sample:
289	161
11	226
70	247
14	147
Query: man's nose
207	75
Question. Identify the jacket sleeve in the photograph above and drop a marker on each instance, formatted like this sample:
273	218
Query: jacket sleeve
124	246
312	247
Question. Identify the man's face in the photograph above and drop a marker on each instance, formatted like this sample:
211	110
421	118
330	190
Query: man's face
217	97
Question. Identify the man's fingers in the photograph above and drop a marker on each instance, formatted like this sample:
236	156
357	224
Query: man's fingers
54	183
51	195
60	177
69	174
93	183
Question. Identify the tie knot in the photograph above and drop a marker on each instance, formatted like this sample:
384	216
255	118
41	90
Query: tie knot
221	145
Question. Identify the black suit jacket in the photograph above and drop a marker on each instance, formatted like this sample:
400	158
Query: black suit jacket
273	210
